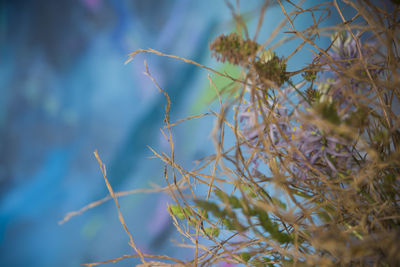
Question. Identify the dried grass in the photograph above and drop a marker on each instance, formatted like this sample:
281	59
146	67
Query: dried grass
292	198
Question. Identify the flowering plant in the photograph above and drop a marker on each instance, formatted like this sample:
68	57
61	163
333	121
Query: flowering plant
311	175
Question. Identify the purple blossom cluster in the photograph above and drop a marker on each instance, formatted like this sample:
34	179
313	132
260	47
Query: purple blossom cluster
345	57
304	144
344	49
252	126
326	153
310	150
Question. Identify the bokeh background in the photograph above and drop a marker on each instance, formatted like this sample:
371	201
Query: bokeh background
65	91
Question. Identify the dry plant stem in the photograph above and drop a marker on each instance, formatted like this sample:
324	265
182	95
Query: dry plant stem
197	244
217	145
181	263
301	35
184	172
166	121
238	18
152	51
189	118
238	153
313	30
189	236
371	80
121	218
221	153
171	159
170	162
260	19
94	204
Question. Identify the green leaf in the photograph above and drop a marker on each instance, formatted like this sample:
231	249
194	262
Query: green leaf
210	207
234	201
328	111
279	203
228	224
221	194
245	256
203	213
188	211
272	228
212	231
176	210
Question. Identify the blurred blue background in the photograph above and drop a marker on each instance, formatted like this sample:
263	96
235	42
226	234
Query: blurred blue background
65	91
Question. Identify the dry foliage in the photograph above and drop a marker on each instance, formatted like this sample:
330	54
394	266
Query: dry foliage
312	177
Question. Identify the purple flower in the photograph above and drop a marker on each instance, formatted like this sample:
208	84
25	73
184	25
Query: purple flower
344	48
345	55
326	153
247	118
252	125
